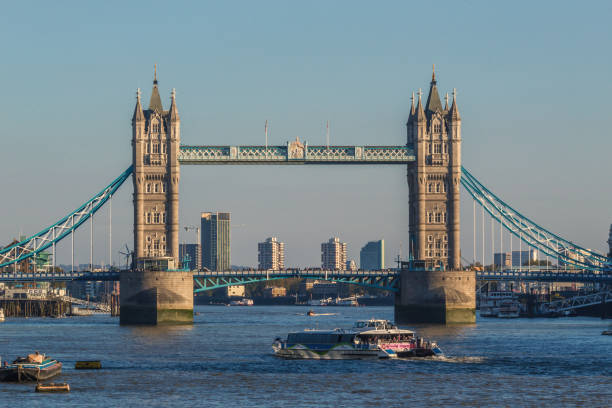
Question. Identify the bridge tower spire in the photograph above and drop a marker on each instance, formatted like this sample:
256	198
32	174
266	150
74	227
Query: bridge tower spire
156	136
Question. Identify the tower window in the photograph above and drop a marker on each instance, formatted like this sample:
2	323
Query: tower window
155	148
429	187
148	218
156	218
164	218
437	187
429	238
148	187
429	148
438	217
445	146
437	148
444	217
156	187
437	127
163	187
430	218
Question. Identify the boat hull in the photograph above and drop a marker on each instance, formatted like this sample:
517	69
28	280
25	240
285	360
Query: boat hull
302	352
30	372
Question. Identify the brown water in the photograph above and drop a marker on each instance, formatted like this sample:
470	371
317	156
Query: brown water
225	359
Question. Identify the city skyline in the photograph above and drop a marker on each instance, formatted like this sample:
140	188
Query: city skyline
520	145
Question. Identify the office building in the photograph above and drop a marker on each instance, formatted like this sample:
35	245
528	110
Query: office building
520	258
372	256
502	259
215	230
194	254
236	291
333	254
271	254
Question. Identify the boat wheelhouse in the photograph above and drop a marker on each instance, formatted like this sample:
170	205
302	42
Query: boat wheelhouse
394	341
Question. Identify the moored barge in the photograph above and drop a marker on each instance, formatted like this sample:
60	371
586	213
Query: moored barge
34	368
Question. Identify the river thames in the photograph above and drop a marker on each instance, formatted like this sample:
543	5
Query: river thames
225	359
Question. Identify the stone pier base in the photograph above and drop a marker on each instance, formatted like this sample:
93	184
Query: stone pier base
156	297
436	297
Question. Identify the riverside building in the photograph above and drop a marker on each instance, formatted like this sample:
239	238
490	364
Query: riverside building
215	230
372	256
333	254
271	254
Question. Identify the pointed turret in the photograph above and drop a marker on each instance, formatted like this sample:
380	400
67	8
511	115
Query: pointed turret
433	99
454	111
411	115
420	113
174	116
155	104
138	114
446	102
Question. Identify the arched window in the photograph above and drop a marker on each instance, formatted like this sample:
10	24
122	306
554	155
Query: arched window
429	187
164	219
437	127
155	187
156	218
148	187
437	187
438	217
148	221
430	218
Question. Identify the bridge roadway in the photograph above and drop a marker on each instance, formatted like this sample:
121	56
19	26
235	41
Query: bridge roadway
383	279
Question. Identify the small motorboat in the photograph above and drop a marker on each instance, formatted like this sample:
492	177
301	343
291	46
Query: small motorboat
34	367
607	332
53	387
311	313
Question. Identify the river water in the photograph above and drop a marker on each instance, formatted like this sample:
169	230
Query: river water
225	359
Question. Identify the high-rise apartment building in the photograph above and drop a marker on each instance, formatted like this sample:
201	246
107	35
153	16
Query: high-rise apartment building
372	256
215	230
271	254
333	254
193	252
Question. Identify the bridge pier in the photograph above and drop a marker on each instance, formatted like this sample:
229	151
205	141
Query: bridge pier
156	297
444	297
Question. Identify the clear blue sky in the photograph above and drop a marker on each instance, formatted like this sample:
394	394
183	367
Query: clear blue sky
533	81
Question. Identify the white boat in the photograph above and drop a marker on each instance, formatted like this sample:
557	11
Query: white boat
503	304
367	339
242	302
1	314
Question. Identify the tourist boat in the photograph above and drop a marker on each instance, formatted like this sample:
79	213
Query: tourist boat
394	341
366	340
242	302
35	367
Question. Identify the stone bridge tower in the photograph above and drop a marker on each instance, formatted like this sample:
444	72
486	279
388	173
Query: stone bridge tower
156	136
154	292
434	180
435	289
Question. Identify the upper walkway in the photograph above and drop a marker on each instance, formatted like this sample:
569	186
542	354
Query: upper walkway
295	153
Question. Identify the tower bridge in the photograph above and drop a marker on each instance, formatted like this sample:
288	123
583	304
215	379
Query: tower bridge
435	287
